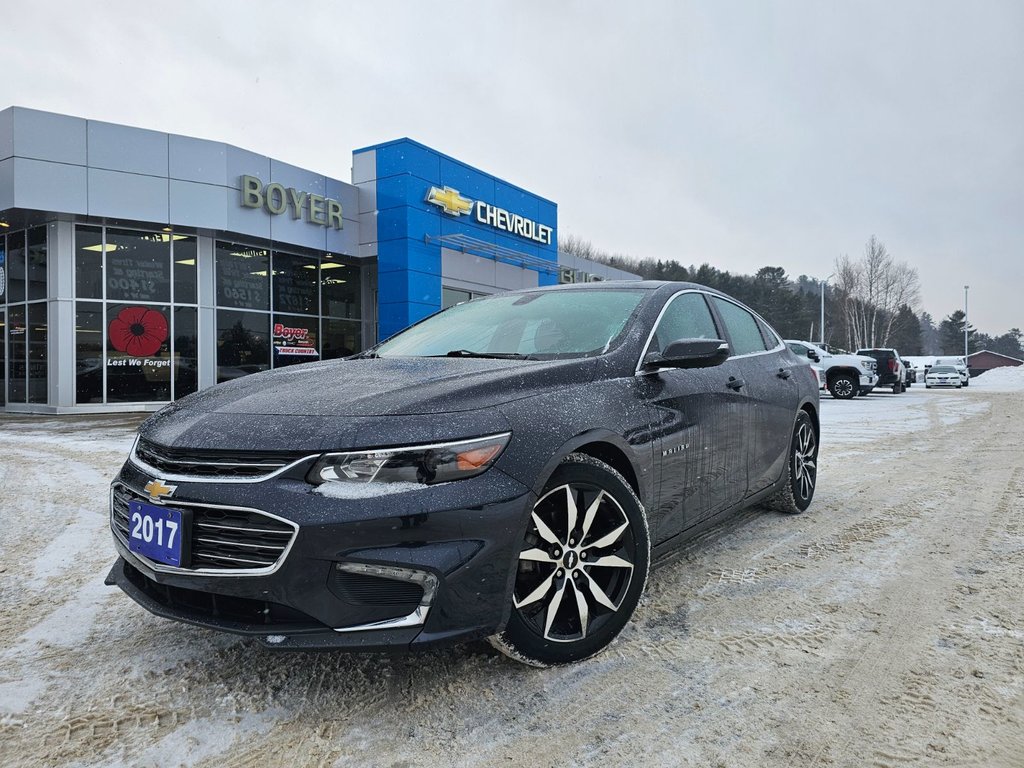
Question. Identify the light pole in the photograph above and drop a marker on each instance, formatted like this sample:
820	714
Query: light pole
966	351
821	327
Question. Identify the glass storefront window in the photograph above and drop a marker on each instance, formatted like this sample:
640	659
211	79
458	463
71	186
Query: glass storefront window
138	266
88	263
294	339
37	352
341	338
3	353
185	351
243	343
138	353
243	276
17	348
339	288
185	255
88	352
36	257
295	284
16	267
452	296
3	275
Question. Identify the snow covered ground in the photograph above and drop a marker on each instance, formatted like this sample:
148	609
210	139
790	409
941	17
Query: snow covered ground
885	626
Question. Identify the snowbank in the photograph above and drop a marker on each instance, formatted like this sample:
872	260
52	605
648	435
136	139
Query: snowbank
1000	380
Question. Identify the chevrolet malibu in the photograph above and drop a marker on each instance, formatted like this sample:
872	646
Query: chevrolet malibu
506	469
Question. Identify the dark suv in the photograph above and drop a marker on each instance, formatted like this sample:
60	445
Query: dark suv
892	371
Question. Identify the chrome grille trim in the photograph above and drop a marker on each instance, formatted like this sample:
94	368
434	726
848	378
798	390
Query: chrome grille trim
249	567
275	467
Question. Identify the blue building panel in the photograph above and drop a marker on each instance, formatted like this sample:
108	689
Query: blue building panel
469	181
409	269
408	255
407	157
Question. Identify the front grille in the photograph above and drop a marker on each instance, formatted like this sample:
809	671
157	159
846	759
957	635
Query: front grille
222	538
363	589
180	461
251	614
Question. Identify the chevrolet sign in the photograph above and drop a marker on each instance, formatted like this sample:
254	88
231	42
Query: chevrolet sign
454	204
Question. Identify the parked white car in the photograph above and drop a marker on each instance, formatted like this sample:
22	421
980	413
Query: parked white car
942	376
846	376
961	368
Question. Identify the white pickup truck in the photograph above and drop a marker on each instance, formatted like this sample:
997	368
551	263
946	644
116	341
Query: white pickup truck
846	376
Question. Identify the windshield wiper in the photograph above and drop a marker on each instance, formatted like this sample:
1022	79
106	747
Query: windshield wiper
489	355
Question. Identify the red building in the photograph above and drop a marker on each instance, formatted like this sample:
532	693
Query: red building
984	360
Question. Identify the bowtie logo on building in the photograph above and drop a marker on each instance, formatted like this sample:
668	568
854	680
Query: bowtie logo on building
157	489
450	201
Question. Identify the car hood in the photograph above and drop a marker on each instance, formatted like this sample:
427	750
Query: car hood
343	403
388	386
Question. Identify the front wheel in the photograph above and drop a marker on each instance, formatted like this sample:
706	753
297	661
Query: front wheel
582	566
843	387
967	383
795	496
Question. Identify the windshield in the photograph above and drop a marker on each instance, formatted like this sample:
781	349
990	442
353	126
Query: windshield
943	369
536	325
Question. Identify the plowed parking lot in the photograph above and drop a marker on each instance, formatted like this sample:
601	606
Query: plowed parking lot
885	627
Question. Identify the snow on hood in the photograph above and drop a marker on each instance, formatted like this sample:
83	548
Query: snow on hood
388	386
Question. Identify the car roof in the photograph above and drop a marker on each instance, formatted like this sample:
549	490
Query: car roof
645	285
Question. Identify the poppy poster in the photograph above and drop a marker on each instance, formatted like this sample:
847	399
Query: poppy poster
138	352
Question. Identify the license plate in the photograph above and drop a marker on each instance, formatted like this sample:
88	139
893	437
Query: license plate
156	532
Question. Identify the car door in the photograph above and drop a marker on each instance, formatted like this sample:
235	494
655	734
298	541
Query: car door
769	374
699	450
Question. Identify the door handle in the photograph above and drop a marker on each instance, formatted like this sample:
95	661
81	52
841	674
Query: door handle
735	384
784	373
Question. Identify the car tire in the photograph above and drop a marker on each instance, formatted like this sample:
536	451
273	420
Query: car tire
927	386
959	386
801	470
967	383
843	387
896	388
581	569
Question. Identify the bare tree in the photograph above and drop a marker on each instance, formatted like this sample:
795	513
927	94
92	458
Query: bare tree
873	289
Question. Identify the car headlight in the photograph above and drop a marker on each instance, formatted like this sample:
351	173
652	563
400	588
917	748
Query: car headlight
423	464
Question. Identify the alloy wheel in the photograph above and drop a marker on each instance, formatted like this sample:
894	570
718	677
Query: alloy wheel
577	563
805	461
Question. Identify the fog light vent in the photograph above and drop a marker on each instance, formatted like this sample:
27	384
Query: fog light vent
363	589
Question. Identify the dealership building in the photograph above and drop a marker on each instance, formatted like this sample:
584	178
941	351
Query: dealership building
137	267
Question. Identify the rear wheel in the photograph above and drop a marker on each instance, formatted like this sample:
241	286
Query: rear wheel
581	569
897	388
795	496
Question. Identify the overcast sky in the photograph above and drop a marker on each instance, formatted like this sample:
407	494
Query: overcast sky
741	134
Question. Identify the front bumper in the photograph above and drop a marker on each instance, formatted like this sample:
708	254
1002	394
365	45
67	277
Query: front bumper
868	380
464	536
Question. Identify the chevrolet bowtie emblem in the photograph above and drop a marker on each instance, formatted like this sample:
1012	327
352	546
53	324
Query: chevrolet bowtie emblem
450	200
156	489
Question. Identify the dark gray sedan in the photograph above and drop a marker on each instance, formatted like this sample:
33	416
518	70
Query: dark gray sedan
505	469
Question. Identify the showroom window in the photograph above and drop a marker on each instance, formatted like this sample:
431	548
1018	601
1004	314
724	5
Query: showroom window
276	308
136	335
452	296
25	322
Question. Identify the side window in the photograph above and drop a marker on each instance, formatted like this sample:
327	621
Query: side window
771	339
742	327
687	317
799	349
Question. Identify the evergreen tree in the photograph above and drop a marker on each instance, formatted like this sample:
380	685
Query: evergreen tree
951	334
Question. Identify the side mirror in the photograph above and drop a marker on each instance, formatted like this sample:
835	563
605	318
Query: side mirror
814	355
689	353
